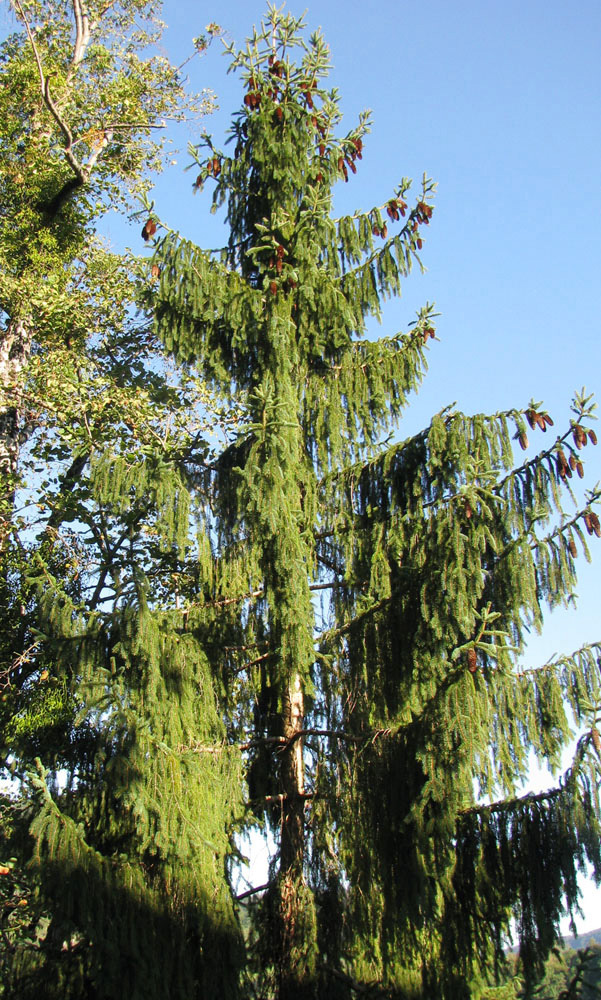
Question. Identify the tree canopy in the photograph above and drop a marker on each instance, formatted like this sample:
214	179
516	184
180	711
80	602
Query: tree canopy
313	629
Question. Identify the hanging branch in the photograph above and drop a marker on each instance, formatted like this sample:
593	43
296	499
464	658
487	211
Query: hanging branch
333	633
363	989
510	805
283	743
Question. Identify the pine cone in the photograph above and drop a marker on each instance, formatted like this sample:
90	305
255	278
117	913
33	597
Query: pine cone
149	229
563	466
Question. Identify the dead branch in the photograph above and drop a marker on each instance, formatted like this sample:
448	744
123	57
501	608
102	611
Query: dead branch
252	892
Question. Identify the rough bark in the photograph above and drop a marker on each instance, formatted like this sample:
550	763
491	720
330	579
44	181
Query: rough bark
292	966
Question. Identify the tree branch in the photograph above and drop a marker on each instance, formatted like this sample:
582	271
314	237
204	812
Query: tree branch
252	892
71	159
284	742
347	626
568	779
33	46
361	988
68	481
82	33
82	38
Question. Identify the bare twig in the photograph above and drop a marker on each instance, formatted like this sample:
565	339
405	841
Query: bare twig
104	11
360	988
252	892
27	656
281	797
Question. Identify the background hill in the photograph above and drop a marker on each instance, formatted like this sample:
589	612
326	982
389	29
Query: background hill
583	940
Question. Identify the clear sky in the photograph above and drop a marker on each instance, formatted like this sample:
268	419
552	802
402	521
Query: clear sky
500	103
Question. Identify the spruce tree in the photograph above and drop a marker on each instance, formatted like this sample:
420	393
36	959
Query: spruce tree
370	600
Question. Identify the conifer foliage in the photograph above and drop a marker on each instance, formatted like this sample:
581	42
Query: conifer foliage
375	723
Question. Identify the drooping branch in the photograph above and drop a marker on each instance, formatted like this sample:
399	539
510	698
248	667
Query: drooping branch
362	989
333	633
531	798
284	742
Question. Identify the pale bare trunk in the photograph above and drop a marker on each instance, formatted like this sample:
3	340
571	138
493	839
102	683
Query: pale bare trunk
15	346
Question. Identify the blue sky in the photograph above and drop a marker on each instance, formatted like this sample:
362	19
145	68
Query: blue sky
499	102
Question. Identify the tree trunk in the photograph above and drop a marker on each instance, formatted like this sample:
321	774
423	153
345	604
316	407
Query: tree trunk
294	965
15	345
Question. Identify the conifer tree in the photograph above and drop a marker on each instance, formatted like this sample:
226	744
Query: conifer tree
385	731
